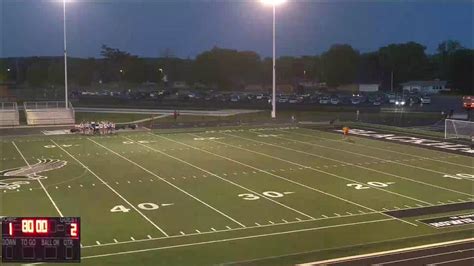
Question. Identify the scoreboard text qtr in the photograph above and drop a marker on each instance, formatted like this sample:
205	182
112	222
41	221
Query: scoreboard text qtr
41	239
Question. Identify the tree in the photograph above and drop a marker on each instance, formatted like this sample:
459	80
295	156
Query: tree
226	68
56	73
83	71
460	70
37	73
408	61
340	64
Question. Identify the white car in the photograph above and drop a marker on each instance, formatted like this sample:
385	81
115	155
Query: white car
425	100
282	100
293	100
400	102
335	100
324	100
355	100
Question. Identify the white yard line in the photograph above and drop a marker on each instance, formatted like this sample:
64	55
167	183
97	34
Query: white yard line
425	256
233	239
281	177
388	252
372	157
317	170
449	261
112	189
167	182
289	180
355	165
229	229
228	181
39	181
314	169
375	148
379	159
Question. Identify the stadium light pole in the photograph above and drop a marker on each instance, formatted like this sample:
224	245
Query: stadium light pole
274	3
65	54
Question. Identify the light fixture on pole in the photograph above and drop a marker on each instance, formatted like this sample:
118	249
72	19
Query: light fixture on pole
274	3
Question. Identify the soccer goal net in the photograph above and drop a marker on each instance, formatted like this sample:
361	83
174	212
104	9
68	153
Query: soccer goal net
458	129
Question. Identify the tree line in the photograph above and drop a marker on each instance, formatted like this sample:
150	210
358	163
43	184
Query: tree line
231	69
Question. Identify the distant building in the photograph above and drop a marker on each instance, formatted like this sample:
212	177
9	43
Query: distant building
369	87
425	86
178	85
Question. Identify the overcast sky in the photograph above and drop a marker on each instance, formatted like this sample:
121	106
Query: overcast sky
148	27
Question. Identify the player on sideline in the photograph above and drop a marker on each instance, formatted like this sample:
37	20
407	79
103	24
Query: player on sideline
345	131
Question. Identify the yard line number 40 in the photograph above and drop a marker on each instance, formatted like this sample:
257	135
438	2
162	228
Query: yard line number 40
147	206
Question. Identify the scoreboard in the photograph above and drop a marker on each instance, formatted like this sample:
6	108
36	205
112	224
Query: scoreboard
41	239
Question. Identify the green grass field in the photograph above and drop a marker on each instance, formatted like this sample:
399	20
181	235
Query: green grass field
265	196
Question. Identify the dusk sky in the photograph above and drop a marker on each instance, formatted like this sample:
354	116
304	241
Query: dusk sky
148	27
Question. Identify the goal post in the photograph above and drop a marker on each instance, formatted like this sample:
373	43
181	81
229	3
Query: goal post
458	129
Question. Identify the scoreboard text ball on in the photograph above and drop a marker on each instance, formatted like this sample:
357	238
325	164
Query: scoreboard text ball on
41	239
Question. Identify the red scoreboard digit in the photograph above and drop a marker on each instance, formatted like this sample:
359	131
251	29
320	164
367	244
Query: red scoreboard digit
41	239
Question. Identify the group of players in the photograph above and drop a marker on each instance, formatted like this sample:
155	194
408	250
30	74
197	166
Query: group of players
91	128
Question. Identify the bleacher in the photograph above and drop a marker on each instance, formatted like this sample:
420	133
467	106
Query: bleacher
49	113
9	115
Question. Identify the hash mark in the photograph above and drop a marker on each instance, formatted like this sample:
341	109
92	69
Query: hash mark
257	224
98	243
284	220
271	222
149	236
198	231
181	232
212	228
324	216
115	240
298	219
132	238
228	227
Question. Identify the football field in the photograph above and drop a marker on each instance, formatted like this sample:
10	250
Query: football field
280	195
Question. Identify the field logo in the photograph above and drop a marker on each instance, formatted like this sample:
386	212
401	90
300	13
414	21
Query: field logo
414	140
14	178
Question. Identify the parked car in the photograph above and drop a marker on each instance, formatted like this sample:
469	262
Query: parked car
293	100
259	97
234	98
324	100
391	97
377	103
400	101
355	100
425	99
335	100
283	99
